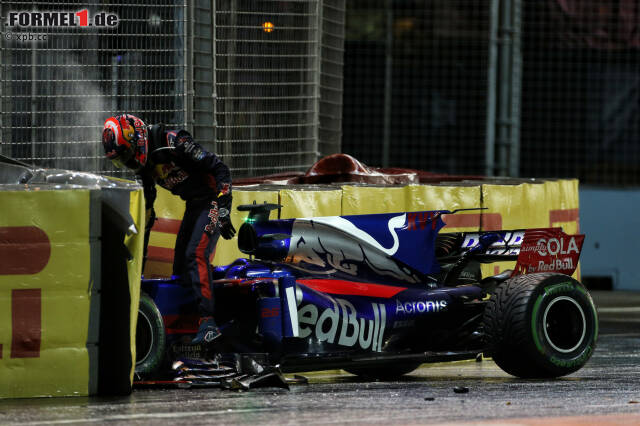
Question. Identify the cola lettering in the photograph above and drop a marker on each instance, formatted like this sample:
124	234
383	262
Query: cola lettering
556	246
366	333
552	250
420	306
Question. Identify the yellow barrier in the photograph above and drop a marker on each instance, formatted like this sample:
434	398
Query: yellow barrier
44	293
564	208
564	205
44	337
509	206
310	203
533	205
135	245
227	250
169	210
436	197
372	199
54	292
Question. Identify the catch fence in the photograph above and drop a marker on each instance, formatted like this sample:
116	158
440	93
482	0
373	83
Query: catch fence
248	80
483	87
56	93
496	87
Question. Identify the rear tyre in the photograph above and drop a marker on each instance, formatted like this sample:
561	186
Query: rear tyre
384	371
150	337
540	325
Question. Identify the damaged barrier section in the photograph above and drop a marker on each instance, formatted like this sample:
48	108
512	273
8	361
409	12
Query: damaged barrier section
70	261
341	185
71	258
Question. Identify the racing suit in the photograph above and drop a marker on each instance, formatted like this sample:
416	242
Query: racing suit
180	165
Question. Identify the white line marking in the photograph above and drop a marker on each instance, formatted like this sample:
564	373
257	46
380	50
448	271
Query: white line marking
146	416
620	310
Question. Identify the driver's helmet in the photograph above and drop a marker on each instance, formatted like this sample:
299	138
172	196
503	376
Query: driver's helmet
125	141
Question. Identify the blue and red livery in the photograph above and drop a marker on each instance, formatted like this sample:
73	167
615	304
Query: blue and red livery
380	294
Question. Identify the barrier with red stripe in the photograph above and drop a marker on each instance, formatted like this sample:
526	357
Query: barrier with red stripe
51	297
542	204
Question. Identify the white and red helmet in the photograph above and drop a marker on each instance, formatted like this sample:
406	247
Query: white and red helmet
125	140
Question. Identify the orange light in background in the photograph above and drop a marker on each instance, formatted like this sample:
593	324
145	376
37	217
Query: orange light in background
267	27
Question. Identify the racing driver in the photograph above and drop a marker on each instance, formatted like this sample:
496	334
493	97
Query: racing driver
173	160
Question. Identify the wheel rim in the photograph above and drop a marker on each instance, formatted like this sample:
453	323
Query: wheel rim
144	338
564	324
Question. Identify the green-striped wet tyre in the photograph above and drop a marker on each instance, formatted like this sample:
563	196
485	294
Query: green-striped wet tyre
150	337
540	325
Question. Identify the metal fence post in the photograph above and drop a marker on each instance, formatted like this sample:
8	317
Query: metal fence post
318	72
388	89
492	89
214	83
331	77
504	121
510	61
226	148
34	102
516	87
189	36
2	79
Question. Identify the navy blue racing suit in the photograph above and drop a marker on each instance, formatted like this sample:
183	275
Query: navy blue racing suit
180	165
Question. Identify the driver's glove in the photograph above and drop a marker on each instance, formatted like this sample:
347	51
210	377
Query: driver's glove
227	231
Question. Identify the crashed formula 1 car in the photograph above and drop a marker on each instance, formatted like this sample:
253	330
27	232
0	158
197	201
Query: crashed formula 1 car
377	295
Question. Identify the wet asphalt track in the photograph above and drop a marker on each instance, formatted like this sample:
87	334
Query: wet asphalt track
606	391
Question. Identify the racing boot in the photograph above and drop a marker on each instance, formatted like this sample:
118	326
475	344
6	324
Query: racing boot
207	332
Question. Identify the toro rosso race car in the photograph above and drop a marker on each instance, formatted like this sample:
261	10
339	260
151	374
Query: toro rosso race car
377	295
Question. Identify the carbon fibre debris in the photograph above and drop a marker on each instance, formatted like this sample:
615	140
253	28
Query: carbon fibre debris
233	372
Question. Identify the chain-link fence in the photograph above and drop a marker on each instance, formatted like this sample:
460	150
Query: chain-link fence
267	69
581	90
260	109
331	79
56	93
499	87
416	83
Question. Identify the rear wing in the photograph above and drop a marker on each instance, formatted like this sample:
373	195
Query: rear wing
535	250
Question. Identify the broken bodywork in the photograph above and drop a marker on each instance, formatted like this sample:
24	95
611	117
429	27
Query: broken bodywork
378	295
